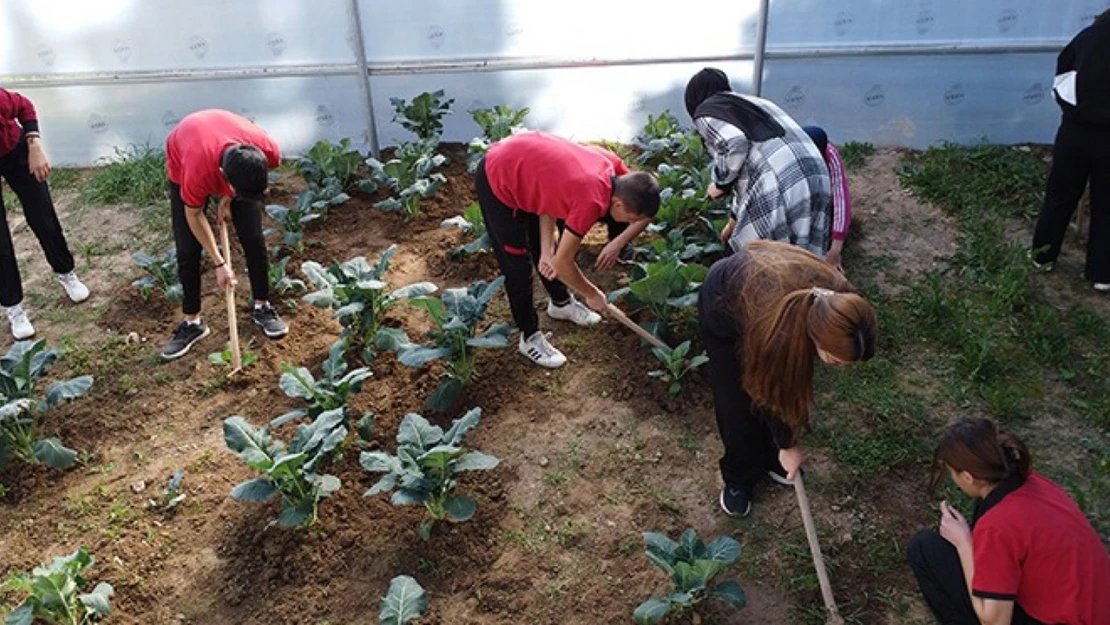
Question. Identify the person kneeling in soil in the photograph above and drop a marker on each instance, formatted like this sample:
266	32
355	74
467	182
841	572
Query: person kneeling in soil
23	164
765	314
1029	556
778	180
218	153
526	183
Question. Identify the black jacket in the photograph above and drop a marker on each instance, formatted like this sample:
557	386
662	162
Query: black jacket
1088	55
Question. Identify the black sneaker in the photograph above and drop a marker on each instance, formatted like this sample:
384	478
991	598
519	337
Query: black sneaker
267	318
183	338
736	501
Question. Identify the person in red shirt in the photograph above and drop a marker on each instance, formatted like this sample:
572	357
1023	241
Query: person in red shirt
218	153
526	185
24	165
1029	557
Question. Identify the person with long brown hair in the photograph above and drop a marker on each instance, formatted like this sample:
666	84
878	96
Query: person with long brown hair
1029	556
766	314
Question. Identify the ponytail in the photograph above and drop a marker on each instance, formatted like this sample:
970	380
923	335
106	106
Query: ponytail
778	359
978	446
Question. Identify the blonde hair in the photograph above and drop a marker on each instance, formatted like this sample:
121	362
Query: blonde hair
791	303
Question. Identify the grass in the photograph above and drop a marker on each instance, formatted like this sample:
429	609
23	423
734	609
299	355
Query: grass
135	174
854	154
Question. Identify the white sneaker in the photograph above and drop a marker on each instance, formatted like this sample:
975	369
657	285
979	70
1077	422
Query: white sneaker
76	291
574	311
539	351
1102	287
21	325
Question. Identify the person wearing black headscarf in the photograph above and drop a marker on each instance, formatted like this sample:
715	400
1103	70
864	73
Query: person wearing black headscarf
775	173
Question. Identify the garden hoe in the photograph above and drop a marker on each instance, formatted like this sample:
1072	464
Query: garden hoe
632	325
232	323
834	617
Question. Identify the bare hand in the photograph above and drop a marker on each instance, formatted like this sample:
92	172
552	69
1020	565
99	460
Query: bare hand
225	277
954	527
833	258
36	159
609	255
726	232
223	210
597	302
791	460
714	192
547	266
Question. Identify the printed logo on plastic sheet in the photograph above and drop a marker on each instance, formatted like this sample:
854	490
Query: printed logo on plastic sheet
1007	20
122	49
794	98
436	37
514	30
926	19
198	46
170	119
1087	17
324	116
842	23
276	43
98	124
1034	94
46	55
875	96
955	95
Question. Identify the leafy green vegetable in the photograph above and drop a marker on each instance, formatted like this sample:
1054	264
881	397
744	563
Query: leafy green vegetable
496	124
224	358
668	288
356	291
457	314
332	391
405	602
473	225
693	568
427	466
676	365
280	282
290	472
424	116
312	204
52	593
409	175
327	160
162	275
21	413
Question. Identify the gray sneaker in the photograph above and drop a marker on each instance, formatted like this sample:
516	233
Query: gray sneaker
183	338
268	319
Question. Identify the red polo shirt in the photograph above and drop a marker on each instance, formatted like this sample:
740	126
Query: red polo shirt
1036	548
543	174
17	115
195	147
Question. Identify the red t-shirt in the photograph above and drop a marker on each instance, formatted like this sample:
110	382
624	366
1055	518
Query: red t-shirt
195	147
15	108
547	175
1036	548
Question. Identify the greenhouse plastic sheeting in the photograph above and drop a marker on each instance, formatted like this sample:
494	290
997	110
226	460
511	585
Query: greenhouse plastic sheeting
587	69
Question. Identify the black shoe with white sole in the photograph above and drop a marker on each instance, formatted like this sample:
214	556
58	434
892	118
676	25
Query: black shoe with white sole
268	319
736	500
183	338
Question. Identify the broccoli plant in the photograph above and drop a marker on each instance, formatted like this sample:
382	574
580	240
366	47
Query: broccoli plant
280	281
292	220
225	357
332	391
356	291
668	288
455	339
329	193
496	124
328	160
21	413
409	176
424	115
659	139
676	365
162	275
426	468
52	593
693	568
405	602
473	225
172	495
290	472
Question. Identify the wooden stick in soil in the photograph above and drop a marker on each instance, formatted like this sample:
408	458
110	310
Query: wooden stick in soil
834	617
632	325
232	322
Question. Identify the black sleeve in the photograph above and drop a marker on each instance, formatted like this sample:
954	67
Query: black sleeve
30	126
784	436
